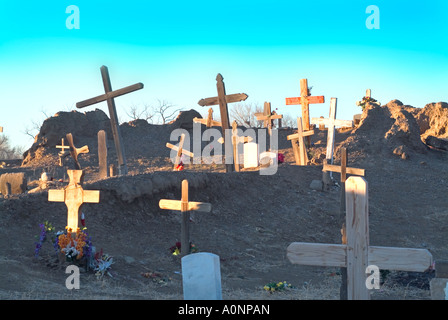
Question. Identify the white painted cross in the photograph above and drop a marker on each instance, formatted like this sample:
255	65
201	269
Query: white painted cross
331	122
300	152
357	254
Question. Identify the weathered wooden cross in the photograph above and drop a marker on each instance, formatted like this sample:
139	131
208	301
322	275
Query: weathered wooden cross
305	100
209	122
102	154
236	141
331	122
62	153
74	197
300	152
184	206
180	150
268	116
222	99
109	97
75	151
358	254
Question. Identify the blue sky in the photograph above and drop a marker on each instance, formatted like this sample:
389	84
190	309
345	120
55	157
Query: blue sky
262	48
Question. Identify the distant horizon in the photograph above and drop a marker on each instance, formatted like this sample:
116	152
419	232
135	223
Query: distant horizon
176	50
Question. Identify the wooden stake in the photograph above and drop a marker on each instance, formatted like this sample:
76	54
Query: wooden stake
102	154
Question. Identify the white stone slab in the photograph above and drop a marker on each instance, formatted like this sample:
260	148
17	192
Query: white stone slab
250	155
201	276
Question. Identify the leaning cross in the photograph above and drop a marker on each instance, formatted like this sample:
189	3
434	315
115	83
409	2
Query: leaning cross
180	150
357	254
62	153
76	151
184	206
222	99
331	122
305	100
268	116
300	152
74	197
109	97
209	122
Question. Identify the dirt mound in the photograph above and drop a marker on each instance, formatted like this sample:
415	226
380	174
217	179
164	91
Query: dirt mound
433	120
390	129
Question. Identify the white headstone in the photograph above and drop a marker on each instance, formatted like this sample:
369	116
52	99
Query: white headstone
250	155
201	276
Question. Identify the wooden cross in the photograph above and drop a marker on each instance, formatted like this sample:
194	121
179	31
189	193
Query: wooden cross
236	141
305	100
222	99
368	93
331	122
357	253
62	153
76	151
74	197
180	150
268	116
300	152
109	97
185	206
209	122
1	129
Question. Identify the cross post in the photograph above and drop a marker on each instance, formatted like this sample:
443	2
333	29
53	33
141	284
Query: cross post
109	97
184	206
222	100
357	254
300	152
74	197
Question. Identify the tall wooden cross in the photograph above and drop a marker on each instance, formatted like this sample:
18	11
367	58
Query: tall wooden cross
222	100
180	150
268	117
75	151
62	153
74	197
331	122
209	122
300	152
357	254
343	170
109	97
185	206
305	100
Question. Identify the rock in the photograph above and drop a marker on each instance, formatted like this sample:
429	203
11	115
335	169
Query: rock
317	185
185	119
17	182
437	143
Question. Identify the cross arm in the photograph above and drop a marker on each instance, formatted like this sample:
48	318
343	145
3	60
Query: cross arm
56	195
348	170
230	98
342	123
110	95
334	255
310	99
213	123
296	136
175	148
91	196
177	205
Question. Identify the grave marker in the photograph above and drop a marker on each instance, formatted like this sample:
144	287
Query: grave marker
180	150
268	117
305	100
201	276
331	122
236	141
223	99
62	153
109	97
185	206
76	151
209	122
357	253
13	183
300	152
74	196
102	154
250	155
